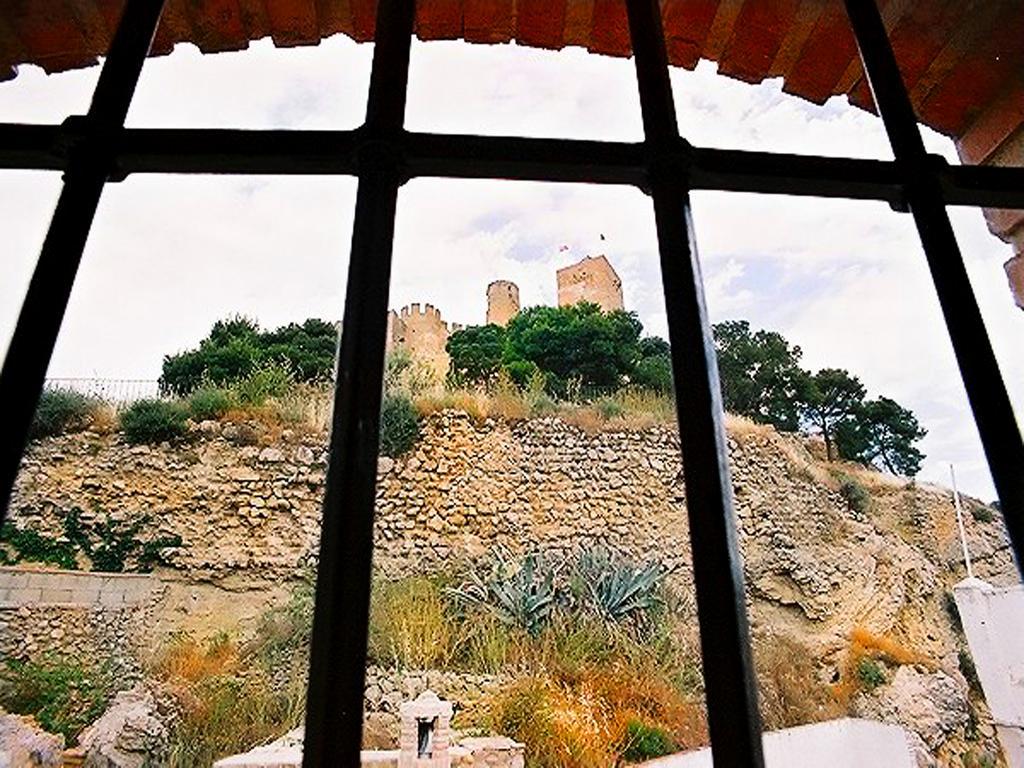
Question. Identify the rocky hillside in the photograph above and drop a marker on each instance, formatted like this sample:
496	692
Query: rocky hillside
830	552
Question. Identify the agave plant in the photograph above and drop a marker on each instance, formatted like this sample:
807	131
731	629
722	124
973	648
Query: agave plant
615	588
522	594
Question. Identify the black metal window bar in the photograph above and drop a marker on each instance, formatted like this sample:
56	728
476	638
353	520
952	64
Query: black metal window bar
96	148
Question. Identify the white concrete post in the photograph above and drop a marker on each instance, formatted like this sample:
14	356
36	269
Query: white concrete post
993	620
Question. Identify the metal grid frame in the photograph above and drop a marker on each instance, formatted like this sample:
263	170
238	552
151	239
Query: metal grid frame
96	148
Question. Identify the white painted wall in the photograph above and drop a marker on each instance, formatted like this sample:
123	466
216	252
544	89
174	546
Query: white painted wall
993	619
846	743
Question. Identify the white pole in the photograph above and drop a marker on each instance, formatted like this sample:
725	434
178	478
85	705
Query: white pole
960	524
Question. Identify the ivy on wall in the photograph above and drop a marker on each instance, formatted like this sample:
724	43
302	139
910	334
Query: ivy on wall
105	544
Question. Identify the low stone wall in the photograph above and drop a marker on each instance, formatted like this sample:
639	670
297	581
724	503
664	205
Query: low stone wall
97	617
20	587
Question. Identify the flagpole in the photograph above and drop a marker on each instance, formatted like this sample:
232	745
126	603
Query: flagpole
960	524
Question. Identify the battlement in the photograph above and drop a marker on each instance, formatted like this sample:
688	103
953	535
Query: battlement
423	333
414	310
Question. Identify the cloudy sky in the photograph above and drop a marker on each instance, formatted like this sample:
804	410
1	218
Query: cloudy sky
169	255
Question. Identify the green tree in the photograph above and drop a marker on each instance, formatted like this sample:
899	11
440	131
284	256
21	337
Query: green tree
476	353
576	342
308	349
828	398
882	432
654	368
236	346
760	374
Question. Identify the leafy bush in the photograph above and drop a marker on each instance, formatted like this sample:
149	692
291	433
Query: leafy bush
210	403
229	698
582	719
283	632
64	695
112	546
399	425
153	421
856	495
870	674
237	346
645	742
230	711
790	691
21	544
982	514
608	407
60	411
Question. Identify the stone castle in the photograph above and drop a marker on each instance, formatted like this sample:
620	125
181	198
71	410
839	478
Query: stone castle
424	333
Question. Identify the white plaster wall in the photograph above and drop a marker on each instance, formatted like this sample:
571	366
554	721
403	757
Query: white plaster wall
846	743
993	620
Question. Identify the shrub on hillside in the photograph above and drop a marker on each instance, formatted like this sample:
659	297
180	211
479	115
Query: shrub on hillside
645	742
210	403
60	411
870	674
115	546
270	380
399	425
608	407
856	495
153	421
64	695
982	513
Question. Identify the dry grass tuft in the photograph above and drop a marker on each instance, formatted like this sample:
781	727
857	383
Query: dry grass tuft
409	625
185	658
790	691
866	649
741	426
582	720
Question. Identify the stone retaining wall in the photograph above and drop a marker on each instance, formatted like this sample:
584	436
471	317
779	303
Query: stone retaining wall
98	617
249	515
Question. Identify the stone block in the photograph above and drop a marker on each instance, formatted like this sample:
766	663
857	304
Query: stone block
26	595
111	597
85	596
50	595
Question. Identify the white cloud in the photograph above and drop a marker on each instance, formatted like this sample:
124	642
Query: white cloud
844	280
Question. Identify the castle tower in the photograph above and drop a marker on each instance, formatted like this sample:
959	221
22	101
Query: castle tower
502	302
423	332
591	279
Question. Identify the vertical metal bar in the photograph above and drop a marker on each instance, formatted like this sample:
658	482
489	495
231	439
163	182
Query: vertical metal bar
334	704
89	164
734	721
993	412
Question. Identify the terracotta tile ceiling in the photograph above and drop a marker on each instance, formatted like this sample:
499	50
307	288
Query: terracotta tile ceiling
956	55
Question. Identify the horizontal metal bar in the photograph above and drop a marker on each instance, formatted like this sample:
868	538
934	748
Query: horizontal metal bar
282	152
503	157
